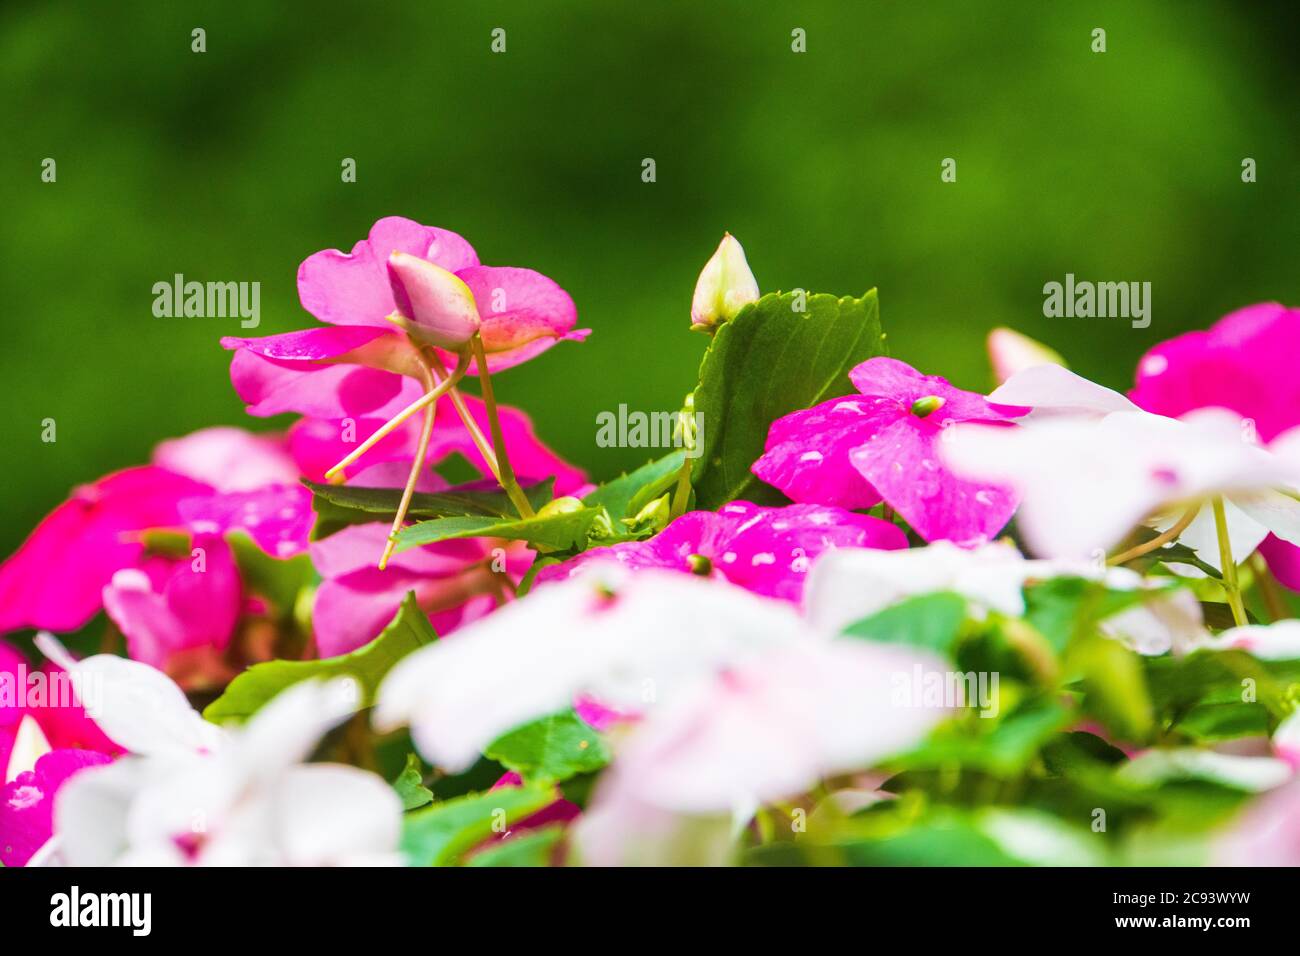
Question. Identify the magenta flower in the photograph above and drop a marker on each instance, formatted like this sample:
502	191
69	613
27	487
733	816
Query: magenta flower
346	370
455	582
765	550
882	444
170	605
92	552
1245	362
27	802
57	578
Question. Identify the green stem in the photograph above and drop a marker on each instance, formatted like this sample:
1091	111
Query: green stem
1230	584
1268	588
505	474
682	491
421	450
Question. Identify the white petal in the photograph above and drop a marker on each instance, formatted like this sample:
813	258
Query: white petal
1055	389
630	641
137	706
333	815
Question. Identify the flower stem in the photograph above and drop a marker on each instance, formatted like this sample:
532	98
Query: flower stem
1230	585
682	491
391	425
1160	540
421	449
505	474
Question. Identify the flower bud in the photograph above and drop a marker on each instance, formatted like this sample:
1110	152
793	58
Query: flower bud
433	304
726	285
1011	352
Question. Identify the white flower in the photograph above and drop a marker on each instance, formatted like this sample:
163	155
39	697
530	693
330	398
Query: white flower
194	793
1086	482
770	728
630	640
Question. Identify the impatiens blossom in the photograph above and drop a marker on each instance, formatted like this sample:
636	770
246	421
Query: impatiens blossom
1086	482
765	550
725	286
851	584
192	793
767	729
628	640
348	369
56	579
884	444
99	530
1011	352
454	582
1246	363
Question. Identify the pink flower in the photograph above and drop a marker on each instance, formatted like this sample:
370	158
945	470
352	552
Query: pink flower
91	552
27	802
169	605
347	370
56	579
455	582
854	451
1245	363
764	550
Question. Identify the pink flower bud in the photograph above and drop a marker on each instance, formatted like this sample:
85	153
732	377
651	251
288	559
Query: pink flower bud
435	305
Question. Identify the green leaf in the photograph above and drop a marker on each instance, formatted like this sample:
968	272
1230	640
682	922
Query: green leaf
410	785
368	665
1062	609
551	750
627	494
933	621
767	362
440	834
338	506
531	849
560	531
1005	748
1115	689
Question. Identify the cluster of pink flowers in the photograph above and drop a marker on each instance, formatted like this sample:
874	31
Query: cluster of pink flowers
706	648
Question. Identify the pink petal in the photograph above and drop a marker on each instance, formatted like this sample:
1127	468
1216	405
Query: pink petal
27	803
518	306
320	391
278	518
193	608
1245	363
891	379
228	459
352	289
807	452
1283	560
55	579
902	462
310	345
71	727
765	550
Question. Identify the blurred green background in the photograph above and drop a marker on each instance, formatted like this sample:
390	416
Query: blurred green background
226	166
